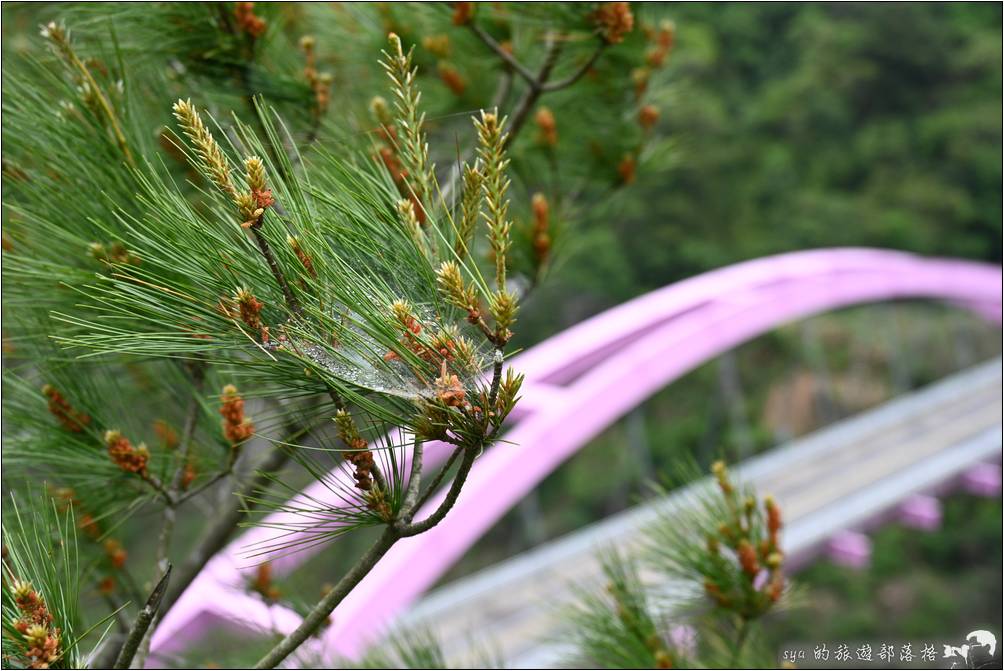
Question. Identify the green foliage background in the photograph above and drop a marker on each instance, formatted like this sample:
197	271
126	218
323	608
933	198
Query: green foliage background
800	125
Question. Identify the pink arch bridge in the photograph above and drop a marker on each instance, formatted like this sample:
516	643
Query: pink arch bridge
577	384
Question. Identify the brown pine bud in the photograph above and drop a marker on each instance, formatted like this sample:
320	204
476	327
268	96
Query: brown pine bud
547	125
448	388
305	260
613	21
541	223
773	515
263	585
166	433
462	13
250	308
648	115
667	34
776	588
71	419
236	427
115	552
639	77
107	585
124	455
747	558
188	474
437	45
721	474
627	169
247	21
452	78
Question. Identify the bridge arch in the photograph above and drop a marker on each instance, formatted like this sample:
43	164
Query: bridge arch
577	384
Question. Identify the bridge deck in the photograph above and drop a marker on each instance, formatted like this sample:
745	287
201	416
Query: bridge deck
839	478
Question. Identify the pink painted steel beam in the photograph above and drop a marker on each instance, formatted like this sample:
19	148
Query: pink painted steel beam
607	364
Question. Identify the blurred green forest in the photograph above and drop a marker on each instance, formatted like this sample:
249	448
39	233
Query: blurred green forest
805	125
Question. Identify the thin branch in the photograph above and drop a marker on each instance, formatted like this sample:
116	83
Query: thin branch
493	394
438	480
227	520
143	620
219	475
578	74
106	107
509	59
273	265
158	487
536	88
319	614
470	454
217	536
197	371
414	482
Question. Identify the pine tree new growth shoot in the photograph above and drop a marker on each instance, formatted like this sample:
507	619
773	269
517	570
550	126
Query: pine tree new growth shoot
712	564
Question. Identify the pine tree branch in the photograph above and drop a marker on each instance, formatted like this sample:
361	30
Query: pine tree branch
534	91
158	487
143	620
263	246
391	535
319	614
223	527
219	475
470	454
438	480
493	394
578	74
197	371
273	265
508	58
414	483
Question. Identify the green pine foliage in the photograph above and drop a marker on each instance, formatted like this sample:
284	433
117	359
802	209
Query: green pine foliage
221	240
42	572
711	562
621	628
